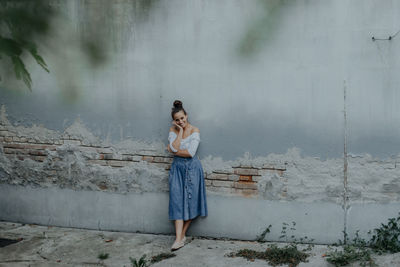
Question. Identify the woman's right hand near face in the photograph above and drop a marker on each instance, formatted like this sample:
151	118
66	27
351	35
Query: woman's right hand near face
177	127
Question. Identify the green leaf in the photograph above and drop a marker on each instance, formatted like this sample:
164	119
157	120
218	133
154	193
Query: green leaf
21	72
10	47
37	57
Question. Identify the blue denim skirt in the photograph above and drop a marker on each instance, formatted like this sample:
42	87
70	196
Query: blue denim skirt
187	192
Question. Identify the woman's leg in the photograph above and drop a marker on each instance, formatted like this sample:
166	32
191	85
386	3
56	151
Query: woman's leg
185	227
179	230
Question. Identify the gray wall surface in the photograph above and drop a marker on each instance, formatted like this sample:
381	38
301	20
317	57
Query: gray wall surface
286	83
256	76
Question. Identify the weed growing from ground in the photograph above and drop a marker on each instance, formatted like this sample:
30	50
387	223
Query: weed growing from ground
141	263
385	239
274	255
261	237
350	254
103	256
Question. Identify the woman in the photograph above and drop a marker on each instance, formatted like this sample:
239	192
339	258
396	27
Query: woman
187	194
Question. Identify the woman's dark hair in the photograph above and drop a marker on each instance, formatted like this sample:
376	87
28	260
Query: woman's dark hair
177	107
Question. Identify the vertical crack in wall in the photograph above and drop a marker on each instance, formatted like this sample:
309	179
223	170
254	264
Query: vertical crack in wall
345	207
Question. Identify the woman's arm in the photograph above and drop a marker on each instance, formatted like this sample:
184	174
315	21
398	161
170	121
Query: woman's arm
183	153
176	144
194	144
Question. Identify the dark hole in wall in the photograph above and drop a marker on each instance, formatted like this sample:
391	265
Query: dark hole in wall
5	242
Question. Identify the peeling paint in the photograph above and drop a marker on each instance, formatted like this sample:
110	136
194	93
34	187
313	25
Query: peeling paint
71	160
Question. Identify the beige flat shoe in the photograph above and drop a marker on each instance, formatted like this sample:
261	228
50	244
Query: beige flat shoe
178	245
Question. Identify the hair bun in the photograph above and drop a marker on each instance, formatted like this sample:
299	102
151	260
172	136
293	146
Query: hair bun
177	104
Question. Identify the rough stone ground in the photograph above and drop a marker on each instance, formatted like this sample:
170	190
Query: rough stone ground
57	246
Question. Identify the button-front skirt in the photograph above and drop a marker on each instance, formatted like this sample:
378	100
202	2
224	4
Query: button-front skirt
187	192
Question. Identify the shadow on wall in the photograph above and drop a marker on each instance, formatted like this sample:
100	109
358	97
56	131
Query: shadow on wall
30	29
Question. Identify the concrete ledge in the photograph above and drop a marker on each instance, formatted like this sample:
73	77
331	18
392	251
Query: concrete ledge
232	217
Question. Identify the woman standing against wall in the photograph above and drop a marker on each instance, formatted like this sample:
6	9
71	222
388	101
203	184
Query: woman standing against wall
187	193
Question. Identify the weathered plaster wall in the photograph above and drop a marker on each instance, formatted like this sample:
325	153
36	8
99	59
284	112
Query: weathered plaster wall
265	83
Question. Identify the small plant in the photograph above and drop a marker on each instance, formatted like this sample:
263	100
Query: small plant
350	254
286	228
162	256
141	263
274	255
261	237
103	256
386	237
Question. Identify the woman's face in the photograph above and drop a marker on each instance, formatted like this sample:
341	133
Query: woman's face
180	118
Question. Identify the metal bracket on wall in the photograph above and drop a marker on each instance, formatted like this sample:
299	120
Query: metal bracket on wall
385	39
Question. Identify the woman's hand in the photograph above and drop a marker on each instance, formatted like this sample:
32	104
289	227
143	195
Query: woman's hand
178	127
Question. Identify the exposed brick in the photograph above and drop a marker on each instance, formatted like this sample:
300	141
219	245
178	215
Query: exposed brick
1	138
102	186
23	139
101	157
117	163
208	182
96	161
108	156
38	158
148	153
246	185
222	172
8	139
222	183
218	176
233	177
38	152
148	158
15	151
245	178
243	165
242	171
134	158
104	150
30	146
163	159
126	157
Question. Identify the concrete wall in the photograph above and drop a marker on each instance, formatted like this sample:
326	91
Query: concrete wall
269	84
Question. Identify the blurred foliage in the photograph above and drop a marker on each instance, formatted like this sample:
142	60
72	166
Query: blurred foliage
264	26
27	25
20	23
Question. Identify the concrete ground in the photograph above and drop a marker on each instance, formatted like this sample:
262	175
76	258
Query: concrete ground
57	246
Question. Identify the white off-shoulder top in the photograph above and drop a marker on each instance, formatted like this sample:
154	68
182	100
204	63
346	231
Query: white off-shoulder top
190	143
